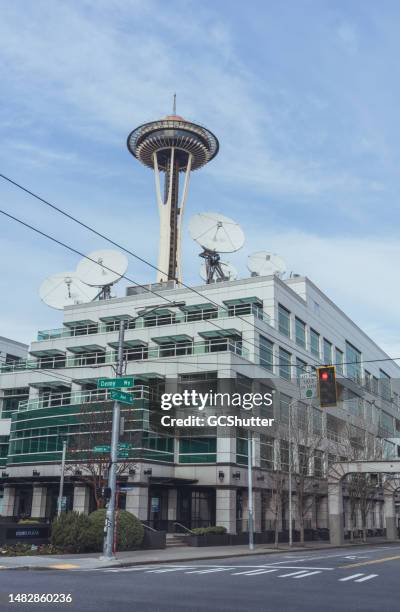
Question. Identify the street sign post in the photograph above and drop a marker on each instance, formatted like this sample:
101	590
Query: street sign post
123	397
308	386
124	445
102	449
123	454
115	383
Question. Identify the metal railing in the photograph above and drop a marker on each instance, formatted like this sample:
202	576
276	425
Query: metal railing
155	320
54	400
140	353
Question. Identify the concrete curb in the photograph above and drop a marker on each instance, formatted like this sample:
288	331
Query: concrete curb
231	554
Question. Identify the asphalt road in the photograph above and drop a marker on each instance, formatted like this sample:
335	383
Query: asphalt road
341	580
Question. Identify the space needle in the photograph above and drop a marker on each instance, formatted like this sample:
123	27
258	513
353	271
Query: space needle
173	146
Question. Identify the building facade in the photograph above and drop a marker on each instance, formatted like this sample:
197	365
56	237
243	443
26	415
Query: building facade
262	332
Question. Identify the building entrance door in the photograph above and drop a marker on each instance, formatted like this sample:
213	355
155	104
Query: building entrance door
196	507
158	508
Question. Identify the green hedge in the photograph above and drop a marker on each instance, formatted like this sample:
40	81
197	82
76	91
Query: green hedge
130	531
69	532
200	531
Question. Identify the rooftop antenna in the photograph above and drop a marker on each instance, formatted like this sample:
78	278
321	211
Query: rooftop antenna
102	269
216	234
264	263
65	289
174	105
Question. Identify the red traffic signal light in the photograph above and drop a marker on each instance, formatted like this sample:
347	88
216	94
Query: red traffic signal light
327	391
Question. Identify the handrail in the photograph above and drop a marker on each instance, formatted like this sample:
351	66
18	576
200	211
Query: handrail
183	527
154	321
139	353
148	527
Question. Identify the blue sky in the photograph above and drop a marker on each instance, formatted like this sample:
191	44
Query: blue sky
302	95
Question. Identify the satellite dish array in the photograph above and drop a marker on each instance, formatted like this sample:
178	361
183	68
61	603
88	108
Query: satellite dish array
93	278
218	234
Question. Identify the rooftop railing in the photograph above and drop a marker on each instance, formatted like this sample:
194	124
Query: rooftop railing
140	353
54	400
154	321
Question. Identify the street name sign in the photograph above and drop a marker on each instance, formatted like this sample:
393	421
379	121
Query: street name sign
102	449
115	383
121	396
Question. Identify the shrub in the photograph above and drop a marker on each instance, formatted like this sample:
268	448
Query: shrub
69	532
200	531
130	531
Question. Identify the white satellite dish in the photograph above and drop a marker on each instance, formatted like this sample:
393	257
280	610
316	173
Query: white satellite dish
102	268
216	233
65	289
263	263
229	271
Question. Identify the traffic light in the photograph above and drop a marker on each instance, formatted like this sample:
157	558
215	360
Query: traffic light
327	392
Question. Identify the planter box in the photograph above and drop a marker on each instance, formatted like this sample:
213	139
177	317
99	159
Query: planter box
12	533
154	540
212	539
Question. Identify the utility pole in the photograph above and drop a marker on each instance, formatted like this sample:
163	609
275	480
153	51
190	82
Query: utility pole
250	488
112	474
290	476
61	489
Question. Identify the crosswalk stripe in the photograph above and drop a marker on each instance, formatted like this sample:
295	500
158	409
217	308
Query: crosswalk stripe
209	571
127	569
292	574
350	577
164	571
254	572
308	574
366	578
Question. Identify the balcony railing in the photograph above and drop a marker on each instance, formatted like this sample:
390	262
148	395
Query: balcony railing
54	400
140	353
155	321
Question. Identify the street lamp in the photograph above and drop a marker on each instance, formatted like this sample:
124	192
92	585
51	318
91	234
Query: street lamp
61	489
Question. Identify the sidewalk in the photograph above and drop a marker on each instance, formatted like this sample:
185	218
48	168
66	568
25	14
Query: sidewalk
168	555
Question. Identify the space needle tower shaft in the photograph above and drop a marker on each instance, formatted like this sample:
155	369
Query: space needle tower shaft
173	147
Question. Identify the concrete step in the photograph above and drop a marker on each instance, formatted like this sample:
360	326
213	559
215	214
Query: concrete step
175	541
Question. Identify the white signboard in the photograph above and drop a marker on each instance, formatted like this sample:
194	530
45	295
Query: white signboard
308	385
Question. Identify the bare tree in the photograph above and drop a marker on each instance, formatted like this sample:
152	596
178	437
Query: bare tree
94	430
307	463
361	489
277	498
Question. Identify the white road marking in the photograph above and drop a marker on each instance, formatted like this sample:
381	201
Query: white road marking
307	574
350	577
366	578
164	571
209	571
254	572
291	574
127	569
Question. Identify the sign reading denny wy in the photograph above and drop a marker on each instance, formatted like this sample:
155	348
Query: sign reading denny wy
115	383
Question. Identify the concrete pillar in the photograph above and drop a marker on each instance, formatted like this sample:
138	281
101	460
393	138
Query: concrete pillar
172	506
81	499
257	510
39	497
226	509
226	448
335	508
8	501
137	502
390	516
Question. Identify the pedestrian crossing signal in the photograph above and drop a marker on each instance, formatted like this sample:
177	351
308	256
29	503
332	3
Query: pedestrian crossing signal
327	391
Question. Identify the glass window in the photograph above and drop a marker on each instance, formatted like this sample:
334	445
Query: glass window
284	455
367	380
197	450
266	353
385	386
314	342
319	464
284	320
284	407
301	367
267	452
339	360
375	385
300	328
327	352
353	359
284	363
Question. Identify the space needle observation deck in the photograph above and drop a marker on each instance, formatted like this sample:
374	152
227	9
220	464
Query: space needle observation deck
172	146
